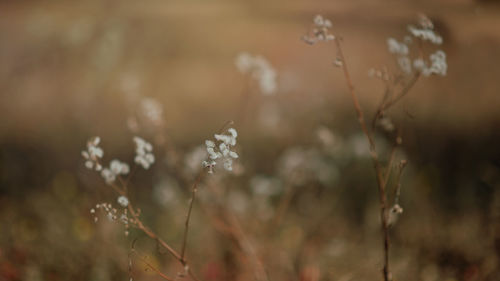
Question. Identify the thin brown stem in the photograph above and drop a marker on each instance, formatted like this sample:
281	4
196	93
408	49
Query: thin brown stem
406	89
188	216
379	112
397	189
156	270
389	165
140	225
151	234
357	106
376	163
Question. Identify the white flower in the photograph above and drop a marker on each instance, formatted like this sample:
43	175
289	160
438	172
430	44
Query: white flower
405	64
260	69
119	168
144	155
222	151
108	175
425	34
424	31
116	168
397	48
438	64
320	32
123	201
93	154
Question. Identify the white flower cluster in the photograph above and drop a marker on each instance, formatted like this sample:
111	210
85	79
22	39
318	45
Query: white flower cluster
320	32
222	151
260	69
93	154
112	213
397	48
123	201
424	31
438	64
115	169
143	153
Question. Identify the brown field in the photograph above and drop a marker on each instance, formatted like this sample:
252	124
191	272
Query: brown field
70	70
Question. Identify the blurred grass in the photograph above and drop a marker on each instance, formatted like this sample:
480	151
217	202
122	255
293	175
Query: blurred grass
71	70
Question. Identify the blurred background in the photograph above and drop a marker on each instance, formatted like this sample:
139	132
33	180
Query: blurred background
303	188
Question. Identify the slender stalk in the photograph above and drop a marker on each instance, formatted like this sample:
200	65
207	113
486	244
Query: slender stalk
376	163
389	165
140	225
406	89
156	270
188	216
397	190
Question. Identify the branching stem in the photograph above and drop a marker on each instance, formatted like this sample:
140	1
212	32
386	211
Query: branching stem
376	162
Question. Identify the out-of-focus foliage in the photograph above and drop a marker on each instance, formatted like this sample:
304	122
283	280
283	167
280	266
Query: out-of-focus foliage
303	185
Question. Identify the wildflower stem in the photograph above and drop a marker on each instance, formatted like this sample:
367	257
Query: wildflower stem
156	270
389	165
188	217
376	162
397	189
406	89
139	224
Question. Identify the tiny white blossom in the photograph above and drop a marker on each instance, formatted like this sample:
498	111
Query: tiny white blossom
116	168
144	155
397	48
424	31
438	64
93	154
233	154
228	164
123	201
320	32
438	60
108	175
233	132
209	143
405	64
318	20
221	152
119	168
425	34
